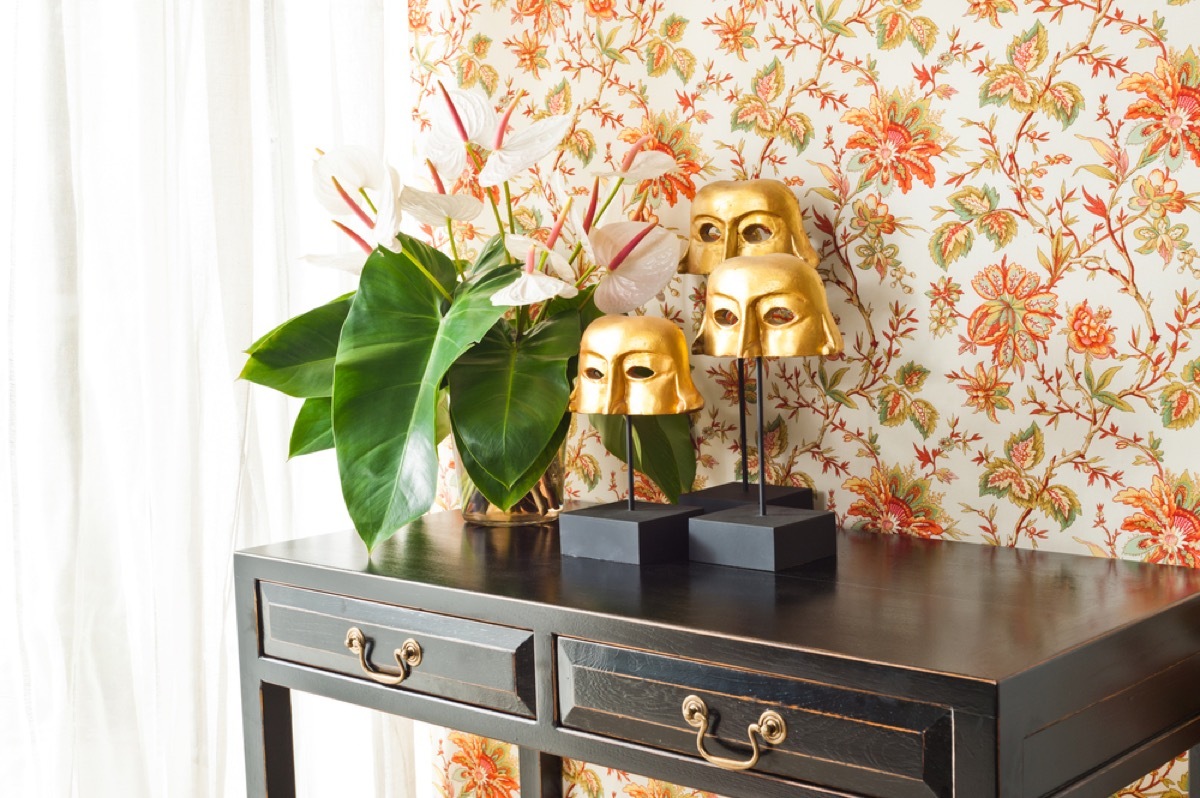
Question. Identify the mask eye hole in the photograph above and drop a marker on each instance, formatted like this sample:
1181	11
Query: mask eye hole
639	372
725	318
756	234
593	374
709	232
777	317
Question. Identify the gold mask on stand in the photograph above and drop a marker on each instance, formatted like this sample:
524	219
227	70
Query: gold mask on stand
745	217
767	306
635	365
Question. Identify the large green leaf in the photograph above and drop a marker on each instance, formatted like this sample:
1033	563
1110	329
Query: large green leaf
491	257
662	448
297	356
313	430
398	341
507	396
504	496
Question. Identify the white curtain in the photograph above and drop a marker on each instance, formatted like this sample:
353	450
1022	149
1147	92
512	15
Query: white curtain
154	203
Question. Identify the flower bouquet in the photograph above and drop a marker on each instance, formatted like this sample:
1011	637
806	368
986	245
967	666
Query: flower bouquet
431	345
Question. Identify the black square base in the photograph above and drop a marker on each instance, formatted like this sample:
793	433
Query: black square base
650	533
734	494
783	538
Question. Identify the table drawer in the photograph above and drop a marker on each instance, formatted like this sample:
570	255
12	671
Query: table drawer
462	660
859	741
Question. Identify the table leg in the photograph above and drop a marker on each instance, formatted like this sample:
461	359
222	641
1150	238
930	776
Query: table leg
541	774
267	726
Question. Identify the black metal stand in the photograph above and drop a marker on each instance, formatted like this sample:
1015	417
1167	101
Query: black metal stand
642	533
734	494
773	539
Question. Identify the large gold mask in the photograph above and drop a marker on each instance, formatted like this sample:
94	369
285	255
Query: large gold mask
635	365
767	306
745	217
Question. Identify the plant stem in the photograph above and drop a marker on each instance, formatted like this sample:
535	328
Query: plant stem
512	225
583	278
421	268
453	246
611	196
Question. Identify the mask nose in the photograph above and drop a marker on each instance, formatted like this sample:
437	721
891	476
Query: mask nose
747	335
613	395
733	242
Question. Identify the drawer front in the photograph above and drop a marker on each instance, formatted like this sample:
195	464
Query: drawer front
461	660
859	741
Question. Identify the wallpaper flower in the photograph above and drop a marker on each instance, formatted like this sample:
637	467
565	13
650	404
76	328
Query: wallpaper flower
1004	195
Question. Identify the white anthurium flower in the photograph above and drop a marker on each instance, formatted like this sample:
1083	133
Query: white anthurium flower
522	149
468	116
520	247
388	215
532	286
433	208
646	165
638	260
351	262
354	168
340	179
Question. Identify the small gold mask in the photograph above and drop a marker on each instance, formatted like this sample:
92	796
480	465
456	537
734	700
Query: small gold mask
745	217
635	365
767	306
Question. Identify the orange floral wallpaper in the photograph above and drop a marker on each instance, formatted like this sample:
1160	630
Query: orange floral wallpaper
1004	195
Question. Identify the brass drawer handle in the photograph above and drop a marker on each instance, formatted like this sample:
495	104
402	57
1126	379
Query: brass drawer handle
408	656
770	727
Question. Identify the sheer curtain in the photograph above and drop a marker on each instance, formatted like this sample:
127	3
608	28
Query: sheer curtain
154	159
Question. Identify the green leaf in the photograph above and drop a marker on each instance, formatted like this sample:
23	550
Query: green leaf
970	203
658	57
950	242
662	448
1180	406
924	417
1063	101
491	257
313	430
998	226
507	396
1113	401
1060	503
398	342
296	357
1106	378
769	81
922	32
504	496
1004	480
890	29
893	406
912	375
1027	447
1029	49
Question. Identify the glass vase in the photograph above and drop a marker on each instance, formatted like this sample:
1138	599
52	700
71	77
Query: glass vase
540	505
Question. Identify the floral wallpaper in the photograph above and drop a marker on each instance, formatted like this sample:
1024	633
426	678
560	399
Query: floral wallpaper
1004	195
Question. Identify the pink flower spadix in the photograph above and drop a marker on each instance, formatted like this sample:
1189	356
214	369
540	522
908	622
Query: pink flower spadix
348	181
638	260
468	117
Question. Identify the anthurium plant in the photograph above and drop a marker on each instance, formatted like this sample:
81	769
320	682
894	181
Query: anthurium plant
431	344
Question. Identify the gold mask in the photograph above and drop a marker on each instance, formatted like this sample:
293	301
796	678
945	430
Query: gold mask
745	217
635	365
767	306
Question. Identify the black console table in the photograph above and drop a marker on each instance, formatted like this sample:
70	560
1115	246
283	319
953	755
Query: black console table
910	668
